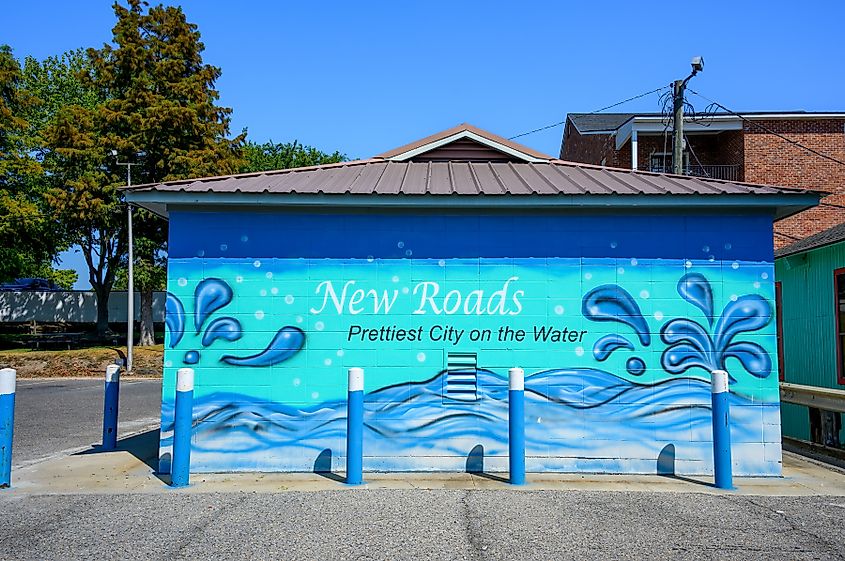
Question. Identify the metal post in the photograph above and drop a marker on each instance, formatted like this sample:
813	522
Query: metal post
721	430
110	406
355	428
678	130
7	424
130	294
516	425
130	285
180	465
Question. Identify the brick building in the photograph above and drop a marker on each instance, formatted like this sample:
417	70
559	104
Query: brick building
723	146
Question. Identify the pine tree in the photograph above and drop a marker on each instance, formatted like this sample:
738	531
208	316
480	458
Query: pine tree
158	109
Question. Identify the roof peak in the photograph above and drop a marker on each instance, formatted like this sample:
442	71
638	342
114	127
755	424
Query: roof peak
431	148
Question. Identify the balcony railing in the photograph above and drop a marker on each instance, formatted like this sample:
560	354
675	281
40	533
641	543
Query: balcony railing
725	172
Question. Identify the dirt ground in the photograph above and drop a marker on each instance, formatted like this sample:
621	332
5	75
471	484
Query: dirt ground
147	361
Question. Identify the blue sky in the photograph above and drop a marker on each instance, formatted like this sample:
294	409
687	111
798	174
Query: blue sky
365	77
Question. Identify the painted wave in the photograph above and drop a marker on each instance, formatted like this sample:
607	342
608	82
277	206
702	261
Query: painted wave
576	420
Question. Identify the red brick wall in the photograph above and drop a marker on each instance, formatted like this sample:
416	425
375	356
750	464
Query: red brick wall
589	148
772	160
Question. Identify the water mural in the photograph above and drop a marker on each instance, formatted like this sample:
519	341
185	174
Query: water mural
617	356
210	296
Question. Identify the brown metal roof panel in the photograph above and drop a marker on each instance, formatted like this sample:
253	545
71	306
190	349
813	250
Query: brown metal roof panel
416	180
652	184
588	179
258	184
682	186
440	180
535	180
334	181
638	183
310	181
464	181
390	182
513	183
561	181
366	181
488	183
195	187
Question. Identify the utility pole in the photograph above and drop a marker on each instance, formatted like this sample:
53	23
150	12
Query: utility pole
130	292
678	89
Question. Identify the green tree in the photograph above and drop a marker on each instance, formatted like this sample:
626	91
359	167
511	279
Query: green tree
29	238
269	156
157	108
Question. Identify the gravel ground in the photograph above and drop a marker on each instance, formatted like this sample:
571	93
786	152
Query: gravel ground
401	524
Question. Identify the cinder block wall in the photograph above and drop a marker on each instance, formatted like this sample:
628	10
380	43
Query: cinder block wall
616	318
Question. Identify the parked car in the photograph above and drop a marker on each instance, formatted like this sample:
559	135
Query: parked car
32	284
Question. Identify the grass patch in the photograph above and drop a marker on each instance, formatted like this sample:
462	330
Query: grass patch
147	361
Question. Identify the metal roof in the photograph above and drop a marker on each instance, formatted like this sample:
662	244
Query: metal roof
829	236
396	179
380	177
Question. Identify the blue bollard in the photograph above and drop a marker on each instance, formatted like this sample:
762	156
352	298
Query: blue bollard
180	465
721	430
355	428
516	425
7	424
110	406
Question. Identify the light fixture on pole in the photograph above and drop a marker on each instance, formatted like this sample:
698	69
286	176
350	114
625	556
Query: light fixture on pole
130	284
678	88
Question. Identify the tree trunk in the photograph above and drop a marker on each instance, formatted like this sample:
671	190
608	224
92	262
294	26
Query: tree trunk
102	295
147	333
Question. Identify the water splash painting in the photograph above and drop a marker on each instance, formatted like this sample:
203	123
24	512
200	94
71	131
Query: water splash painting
611	302
210	296
690	345
284	345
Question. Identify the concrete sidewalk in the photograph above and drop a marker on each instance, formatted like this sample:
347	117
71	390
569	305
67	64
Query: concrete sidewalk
131	469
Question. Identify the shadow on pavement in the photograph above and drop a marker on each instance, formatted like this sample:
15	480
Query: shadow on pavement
475	465
143	446
323	467
666	466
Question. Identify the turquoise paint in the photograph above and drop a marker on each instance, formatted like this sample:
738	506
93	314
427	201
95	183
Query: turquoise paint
809	327
587	408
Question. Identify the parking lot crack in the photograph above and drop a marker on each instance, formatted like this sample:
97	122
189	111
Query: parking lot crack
472	528
834	548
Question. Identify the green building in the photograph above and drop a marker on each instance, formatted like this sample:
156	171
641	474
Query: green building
810	291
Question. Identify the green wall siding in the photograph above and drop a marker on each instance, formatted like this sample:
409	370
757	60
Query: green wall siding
809	338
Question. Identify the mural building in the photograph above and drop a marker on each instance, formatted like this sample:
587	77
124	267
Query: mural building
618	313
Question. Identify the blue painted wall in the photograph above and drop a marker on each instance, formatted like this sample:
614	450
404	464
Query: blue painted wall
272	308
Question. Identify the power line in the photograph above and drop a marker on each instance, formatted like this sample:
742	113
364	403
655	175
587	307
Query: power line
770	131
590	113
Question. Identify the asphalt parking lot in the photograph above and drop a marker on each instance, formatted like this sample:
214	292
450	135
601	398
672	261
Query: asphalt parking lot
55	415
71	501
421	524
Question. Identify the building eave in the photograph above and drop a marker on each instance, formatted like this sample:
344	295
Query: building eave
781	205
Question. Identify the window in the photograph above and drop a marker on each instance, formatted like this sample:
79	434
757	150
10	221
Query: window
779	314
661	162
839	289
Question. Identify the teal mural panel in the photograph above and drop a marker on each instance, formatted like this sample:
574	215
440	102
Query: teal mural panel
617	353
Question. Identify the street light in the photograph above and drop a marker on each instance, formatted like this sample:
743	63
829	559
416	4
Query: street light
679	86
130	292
